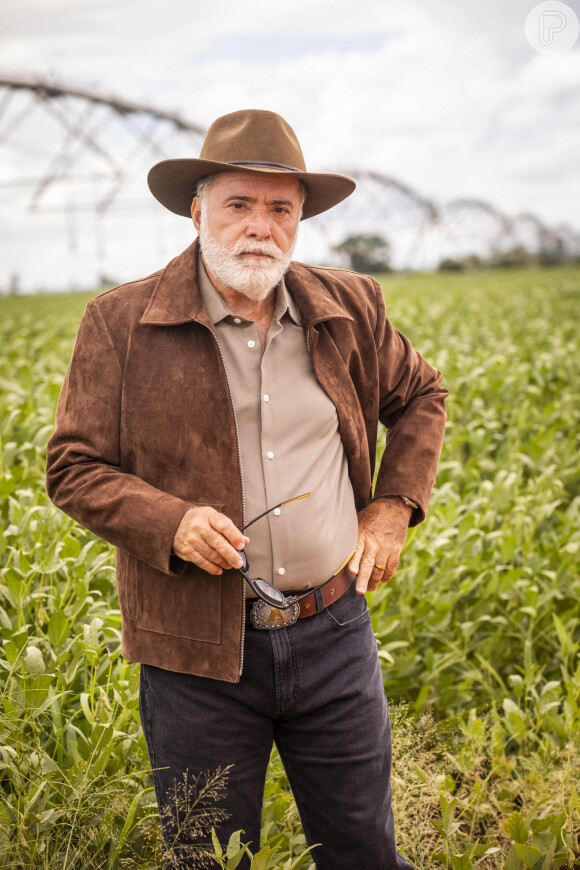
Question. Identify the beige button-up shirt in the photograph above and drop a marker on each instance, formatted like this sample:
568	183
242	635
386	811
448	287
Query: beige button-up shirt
289	445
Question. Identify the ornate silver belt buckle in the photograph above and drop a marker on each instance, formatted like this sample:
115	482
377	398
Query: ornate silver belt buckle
265	616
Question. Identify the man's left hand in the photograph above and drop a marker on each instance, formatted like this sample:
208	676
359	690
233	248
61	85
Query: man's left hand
382	532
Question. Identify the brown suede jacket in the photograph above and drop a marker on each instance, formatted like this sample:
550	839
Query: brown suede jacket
145	429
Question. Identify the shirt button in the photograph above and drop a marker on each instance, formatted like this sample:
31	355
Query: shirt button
277	512
251	343
281	570
269	454
266	397
237	320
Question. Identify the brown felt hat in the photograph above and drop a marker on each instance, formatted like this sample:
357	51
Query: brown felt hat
250	141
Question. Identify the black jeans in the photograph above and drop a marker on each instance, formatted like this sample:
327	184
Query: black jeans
315	689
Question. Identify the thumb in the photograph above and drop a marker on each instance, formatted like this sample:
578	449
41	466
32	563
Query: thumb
354	564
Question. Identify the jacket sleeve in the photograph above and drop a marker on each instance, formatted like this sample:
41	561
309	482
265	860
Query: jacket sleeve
84	478
412	407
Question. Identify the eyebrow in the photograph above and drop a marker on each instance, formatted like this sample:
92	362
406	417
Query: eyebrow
253	199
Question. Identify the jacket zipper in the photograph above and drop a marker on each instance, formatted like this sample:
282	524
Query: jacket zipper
241	470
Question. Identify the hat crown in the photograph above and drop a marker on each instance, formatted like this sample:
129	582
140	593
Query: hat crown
253	136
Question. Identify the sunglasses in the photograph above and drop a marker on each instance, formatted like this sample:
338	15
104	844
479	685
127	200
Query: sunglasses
260	587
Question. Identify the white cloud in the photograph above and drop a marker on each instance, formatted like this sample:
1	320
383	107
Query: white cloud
445	95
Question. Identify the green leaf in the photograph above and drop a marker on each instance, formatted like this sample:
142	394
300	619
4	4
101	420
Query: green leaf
84	699
563	636
37	693
91	633
299	858
516	828
513	860
542	840
234	844
235	859
70	548
216	844
261	859
547	865
539	825
420	773
448	813
484	849
461	862
5	620
559	823
57	627
528	854
34	661
511	708
11	651
101	738
118	844
550	686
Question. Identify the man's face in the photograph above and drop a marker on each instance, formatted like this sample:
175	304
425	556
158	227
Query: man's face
248	224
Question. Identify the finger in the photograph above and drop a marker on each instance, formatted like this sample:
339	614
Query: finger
227	555
391	567
194	549
212	555
195	544
216	539
377	575
204	563
365	571
354	563
228	530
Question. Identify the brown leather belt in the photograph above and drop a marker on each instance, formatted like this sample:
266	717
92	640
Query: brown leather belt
329	592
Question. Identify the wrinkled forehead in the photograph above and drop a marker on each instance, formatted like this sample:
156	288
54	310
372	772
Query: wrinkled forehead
256	184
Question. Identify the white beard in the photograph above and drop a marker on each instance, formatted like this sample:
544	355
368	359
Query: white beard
254	278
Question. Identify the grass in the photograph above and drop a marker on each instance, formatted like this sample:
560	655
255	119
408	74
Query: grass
478	632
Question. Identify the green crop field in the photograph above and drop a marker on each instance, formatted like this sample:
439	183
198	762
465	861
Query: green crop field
478	632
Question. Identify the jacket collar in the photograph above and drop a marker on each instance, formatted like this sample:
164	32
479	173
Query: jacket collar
312	297
177	299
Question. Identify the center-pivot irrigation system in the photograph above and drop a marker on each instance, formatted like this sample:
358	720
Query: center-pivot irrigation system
77	151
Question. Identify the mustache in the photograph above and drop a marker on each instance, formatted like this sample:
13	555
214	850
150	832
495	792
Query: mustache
269	249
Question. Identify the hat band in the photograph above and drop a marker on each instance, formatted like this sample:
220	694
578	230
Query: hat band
264	163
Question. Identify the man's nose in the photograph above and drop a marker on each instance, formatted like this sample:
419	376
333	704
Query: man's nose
258	224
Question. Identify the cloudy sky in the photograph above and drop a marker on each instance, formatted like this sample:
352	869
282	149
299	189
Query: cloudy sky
447	96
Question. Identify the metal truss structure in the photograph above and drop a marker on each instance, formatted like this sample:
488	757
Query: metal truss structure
422	232
71	151
92	140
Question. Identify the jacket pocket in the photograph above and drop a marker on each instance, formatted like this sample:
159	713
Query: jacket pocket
187	606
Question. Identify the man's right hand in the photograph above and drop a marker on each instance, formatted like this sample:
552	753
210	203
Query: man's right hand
209	539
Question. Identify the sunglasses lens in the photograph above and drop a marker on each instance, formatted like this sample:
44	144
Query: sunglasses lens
268	592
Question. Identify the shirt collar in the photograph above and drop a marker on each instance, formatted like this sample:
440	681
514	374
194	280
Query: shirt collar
218	309
213	301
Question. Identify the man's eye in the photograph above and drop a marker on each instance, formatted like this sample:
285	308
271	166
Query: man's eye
279	209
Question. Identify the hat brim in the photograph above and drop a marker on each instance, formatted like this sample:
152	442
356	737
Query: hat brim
173	183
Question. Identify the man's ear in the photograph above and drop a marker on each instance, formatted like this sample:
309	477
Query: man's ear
196	212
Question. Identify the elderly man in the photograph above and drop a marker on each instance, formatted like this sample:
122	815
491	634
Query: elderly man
238	391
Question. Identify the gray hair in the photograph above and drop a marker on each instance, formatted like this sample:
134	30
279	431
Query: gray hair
204	184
